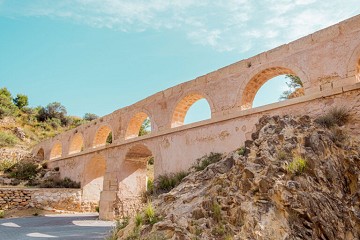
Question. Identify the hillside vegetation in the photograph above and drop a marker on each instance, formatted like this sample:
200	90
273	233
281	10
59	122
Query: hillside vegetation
23	126
297	178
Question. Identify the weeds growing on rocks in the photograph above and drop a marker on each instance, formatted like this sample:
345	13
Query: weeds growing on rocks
297	166
205	161
336	116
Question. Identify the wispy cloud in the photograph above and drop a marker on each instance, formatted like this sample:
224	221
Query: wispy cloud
225	25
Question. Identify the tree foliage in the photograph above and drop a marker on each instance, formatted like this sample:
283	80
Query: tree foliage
21	101
90	116
145	127
7	108
53	111
293	84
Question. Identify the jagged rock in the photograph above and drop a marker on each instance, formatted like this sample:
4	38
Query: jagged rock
260	196
19	132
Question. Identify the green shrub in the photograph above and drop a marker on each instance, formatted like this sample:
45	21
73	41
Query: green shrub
97	209
336	116
297	166
7	140
7	164
241	151
2	213
60	183
282	155
206	160
139	219
150	214
24	170
216	211
167	182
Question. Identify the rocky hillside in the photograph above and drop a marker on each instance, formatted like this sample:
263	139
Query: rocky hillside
296	179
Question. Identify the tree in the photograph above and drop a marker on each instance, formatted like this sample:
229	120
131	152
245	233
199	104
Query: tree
90	116
7	107
21	101
53	110
295	87
145	127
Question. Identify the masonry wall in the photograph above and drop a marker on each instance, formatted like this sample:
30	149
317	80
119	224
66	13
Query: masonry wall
44	198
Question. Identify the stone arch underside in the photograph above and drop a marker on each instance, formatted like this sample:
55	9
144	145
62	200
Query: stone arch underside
93	179
56	150
133	174
134	125
256	83
182	108
76	144
101	136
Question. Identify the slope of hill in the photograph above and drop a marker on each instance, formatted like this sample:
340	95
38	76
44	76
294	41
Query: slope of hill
296	179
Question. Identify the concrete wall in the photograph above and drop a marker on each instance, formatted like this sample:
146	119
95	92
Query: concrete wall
327	63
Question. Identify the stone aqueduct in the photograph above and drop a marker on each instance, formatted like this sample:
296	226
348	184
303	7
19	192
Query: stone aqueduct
328	63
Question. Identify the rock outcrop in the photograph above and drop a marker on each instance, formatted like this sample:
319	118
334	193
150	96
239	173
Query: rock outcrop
293	180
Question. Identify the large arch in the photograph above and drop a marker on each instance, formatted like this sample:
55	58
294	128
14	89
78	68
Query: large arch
101	136
353	64
93	179
76	143
135	124
56	150
182	107
249	92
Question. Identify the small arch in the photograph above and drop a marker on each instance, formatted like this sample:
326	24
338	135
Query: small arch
256	82
93	179
183	107
40	155
140	124
138	153
76	144
353	64
56	151
103	136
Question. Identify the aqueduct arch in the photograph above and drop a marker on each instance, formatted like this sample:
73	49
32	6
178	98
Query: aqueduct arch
40	154
184	105
135	124
257	81
101	136
76	144
134	172
93	179
56	150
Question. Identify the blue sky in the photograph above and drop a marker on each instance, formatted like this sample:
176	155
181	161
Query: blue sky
100	55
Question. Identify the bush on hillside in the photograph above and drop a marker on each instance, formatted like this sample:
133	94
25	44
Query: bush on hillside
7	140
206	160
336	116
24	170
60	183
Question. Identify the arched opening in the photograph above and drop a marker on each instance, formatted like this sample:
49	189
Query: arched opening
271	85
139	125
103	137
137	171
93	179
56	150
76	144
192	108
40	155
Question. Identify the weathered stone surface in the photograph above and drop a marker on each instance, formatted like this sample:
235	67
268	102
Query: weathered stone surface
267	200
